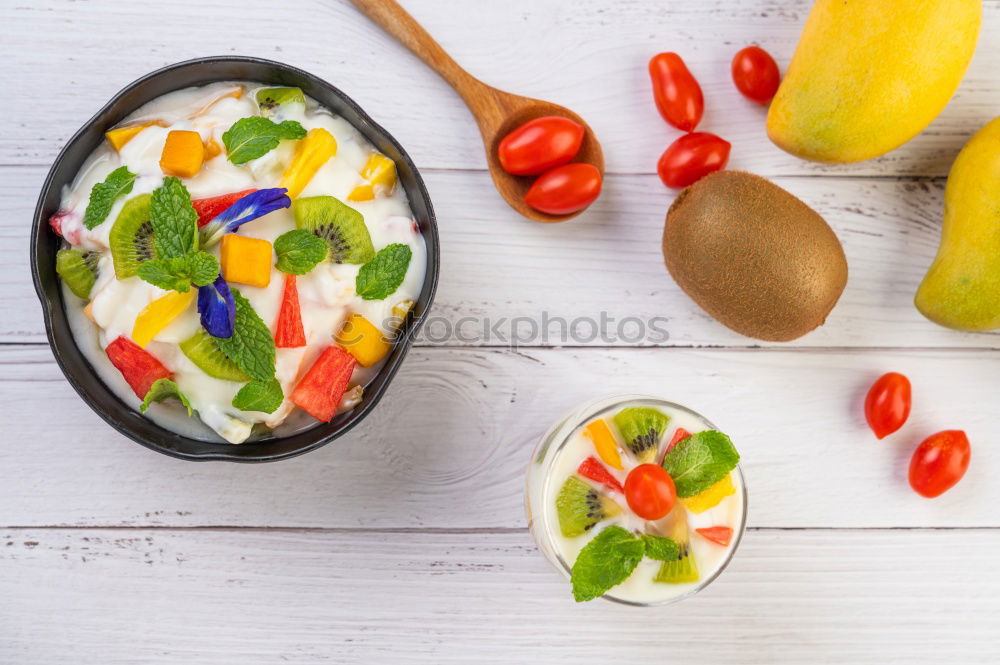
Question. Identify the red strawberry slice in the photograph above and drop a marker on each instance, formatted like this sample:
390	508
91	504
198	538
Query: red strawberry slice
208	209
56	220
678	436
720	535
321	389
139	367
288	331
593	469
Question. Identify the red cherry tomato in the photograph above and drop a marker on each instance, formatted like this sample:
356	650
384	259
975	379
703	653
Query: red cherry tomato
676	92
938	463
539	145
565	189
650	491
756	74
887	405
692	157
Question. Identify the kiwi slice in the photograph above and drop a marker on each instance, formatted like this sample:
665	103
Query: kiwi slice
203	351
580	506
642	427
341	226
684	569
78	269
131	237
269	99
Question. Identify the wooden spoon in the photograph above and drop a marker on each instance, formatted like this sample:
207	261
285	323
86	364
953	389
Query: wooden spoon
497	112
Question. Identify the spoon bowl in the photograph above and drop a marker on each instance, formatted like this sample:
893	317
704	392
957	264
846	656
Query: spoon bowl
497	112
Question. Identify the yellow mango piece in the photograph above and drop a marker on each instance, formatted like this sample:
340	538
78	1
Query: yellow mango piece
88	311
711	497
363	340
246	260
604	442
183	154
380	171
212	149
158	314
379	175
119	136
311	153
962	287
365	192
869	75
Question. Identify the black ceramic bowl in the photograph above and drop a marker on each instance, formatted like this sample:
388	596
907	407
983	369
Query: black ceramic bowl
44	244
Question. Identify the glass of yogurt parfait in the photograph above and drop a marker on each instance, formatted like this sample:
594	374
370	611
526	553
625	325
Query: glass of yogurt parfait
236	259
636	499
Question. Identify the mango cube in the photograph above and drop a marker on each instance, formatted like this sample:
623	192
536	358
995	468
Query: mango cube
158	314
380	171
379	174
364	192
311	153
183	153
120	136
246	260
212	149
363	340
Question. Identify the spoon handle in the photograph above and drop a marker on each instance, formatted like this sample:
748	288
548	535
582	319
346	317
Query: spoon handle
395	20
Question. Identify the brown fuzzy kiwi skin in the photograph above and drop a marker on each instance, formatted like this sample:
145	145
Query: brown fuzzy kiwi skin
753	256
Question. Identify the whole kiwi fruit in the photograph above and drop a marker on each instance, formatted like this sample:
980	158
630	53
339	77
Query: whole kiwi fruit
752	255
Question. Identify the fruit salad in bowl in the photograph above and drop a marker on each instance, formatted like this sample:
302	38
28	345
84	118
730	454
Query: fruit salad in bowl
237	261
637	500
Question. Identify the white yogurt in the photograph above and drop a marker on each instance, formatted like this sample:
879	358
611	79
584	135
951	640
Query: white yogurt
558	457
326	294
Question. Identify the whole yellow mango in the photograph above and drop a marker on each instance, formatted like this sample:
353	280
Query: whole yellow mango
962	288
869	75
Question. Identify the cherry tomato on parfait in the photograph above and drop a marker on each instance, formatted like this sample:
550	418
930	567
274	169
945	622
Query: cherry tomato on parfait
539	145
676	92
756	74
692	157
565	189
650	491
938	463
887	405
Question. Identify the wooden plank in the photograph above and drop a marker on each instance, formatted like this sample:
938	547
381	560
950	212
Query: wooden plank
496	265
127	596
448	446
589	55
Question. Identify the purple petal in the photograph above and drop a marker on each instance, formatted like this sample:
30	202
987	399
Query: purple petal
217	308
253	205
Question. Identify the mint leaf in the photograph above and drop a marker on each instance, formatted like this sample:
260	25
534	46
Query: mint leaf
104	194
299	251
700	461
381	276
175	222
604	562
661	548
203	268
253	137
168	274
263	396
177	274
163	389
251	346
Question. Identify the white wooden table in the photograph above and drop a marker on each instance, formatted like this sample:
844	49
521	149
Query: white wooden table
405	542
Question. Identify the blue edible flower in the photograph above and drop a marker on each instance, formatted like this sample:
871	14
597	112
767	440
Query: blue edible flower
253	205
217	308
